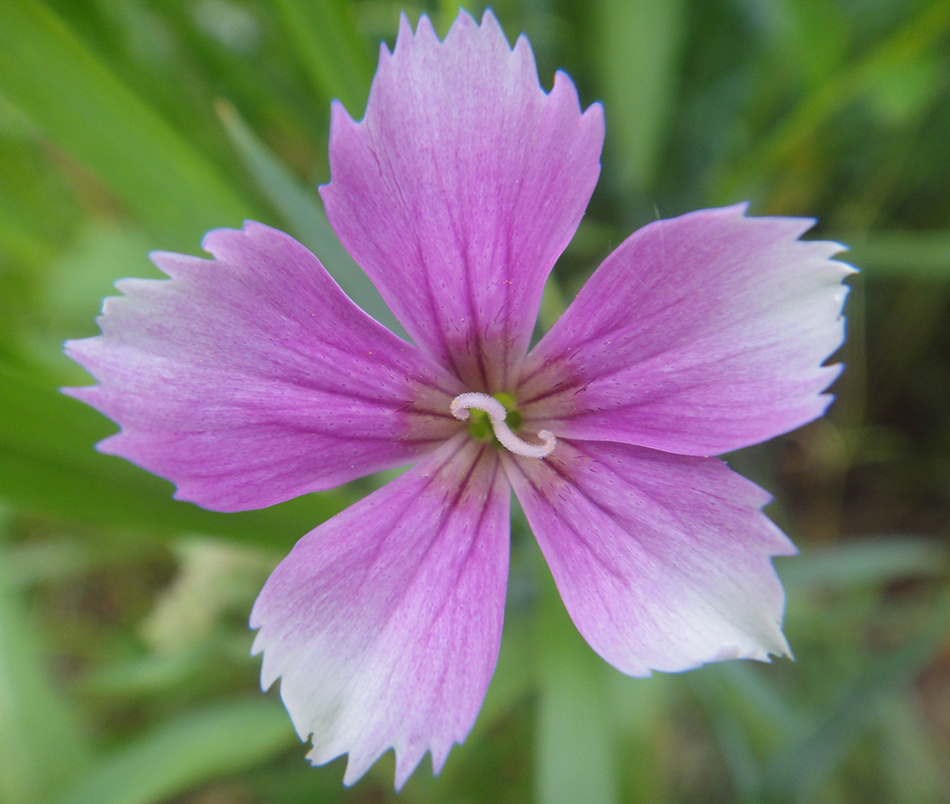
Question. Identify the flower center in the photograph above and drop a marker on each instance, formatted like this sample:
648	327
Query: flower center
497	413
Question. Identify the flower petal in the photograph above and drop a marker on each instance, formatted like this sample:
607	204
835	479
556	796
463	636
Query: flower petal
698	335
662	560
384	623
251	378
460	188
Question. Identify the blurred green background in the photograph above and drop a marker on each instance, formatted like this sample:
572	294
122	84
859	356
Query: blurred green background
130	125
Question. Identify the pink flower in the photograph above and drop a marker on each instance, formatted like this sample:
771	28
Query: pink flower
251	378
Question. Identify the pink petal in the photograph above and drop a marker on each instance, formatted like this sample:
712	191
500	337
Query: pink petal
384	623
662	560
698	335
460	188
251	378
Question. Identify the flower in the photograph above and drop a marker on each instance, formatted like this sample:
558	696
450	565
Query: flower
251	378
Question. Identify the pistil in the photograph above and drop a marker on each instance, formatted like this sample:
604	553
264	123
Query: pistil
497	414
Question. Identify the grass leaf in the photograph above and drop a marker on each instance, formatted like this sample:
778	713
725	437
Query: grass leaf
574	748
49	73
637	56
330	49
40	734
190	750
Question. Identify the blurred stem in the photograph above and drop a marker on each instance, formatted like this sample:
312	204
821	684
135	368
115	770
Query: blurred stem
575	745
922	255
637	57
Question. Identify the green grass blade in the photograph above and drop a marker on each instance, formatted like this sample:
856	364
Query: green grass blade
906	45
191	750
638	45
912	764
868	561
41	737
72	97
798	772
923	255
574	750
331	50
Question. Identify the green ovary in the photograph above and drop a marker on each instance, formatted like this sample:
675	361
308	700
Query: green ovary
480	426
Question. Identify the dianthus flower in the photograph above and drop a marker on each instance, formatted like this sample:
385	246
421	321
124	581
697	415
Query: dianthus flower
251	378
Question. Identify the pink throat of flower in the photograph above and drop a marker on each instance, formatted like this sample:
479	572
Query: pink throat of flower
497	413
